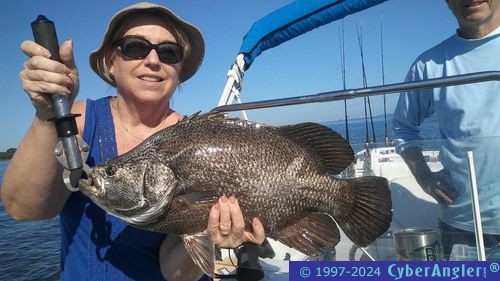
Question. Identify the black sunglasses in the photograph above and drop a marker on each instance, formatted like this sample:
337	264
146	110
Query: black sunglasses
134	47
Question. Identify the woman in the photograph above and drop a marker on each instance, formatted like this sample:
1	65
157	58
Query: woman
146	52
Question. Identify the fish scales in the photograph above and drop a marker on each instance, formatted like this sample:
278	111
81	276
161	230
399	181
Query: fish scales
261	156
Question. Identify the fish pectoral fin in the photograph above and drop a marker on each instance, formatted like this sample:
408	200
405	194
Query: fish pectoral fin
201	248
194	200
311	235
334	151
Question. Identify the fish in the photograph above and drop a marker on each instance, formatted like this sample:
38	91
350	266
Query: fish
286	176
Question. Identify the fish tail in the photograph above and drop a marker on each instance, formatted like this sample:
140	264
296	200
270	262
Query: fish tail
370	212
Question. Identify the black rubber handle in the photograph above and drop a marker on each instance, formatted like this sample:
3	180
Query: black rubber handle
44	32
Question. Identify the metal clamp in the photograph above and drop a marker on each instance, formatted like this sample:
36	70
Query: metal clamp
62	158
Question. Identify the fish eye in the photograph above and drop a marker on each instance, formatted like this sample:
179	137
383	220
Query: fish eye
110	171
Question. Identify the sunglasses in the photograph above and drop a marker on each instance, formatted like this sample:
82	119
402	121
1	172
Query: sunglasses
136	48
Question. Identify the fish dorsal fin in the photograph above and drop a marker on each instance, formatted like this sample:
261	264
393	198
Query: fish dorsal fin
311	235
335	152
201	249
218	116
198	116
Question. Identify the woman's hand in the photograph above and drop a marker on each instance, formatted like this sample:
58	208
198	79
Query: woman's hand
42	76
227	226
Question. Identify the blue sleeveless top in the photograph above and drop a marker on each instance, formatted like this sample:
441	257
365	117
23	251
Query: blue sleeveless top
95	245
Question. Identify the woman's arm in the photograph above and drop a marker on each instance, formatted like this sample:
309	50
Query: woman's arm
32	188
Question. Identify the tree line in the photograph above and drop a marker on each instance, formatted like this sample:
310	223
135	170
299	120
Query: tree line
7	154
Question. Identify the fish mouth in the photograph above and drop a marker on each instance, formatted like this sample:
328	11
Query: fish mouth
91	185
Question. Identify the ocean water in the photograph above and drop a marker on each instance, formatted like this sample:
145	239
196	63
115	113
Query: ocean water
30	250
359	129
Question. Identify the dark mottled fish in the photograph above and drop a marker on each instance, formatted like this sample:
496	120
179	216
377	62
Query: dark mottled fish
281	175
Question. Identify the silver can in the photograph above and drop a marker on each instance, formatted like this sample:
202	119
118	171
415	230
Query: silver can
418	244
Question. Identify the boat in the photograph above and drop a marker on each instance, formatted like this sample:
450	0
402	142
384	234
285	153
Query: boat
379	159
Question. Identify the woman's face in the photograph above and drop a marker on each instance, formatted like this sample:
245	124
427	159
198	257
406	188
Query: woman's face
146	80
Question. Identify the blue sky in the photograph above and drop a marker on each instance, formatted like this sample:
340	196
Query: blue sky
306	65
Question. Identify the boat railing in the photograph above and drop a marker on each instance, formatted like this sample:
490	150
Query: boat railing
364	92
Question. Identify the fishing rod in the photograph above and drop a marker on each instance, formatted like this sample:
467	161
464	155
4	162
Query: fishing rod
70	151
343	67
368	107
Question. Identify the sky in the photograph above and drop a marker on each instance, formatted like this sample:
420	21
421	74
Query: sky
306	65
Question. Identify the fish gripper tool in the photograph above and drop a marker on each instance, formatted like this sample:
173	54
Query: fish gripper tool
71	151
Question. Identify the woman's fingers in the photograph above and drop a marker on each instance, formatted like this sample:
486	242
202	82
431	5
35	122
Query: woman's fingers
225	216
257	235
46	64
42	81
213	220
32	49
237	221
42	76
226	225
40	68
66	53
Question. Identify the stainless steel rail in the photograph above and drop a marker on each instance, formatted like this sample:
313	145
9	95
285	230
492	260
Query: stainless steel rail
364	92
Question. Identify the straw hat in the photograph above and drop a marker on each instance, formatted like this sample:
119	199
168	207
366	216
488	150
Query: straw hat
191	62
